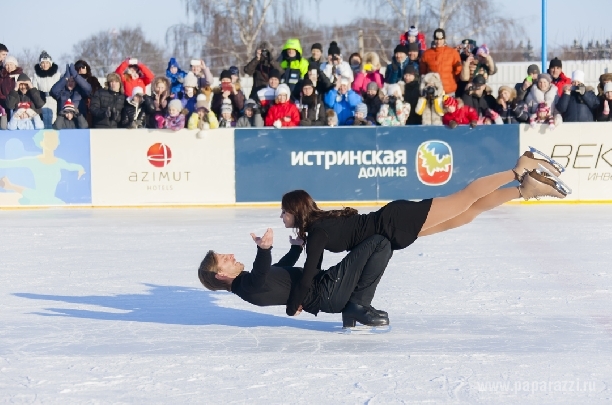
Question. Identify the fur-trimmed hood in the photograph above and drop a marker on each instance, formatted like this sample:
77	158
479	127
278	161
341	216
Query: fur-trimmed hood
46	73
373	59
432	79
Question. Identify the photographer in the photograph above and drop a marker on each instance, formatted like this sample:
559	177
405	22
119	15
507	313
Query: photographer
227	91
522	89
311	107
260	67
577	102
394	112
335	68
476	98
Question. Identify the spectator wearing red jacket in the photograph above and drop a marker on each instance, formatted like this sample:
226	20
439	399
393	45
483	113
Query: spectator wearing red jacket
458	114
134	74
555	69
284	113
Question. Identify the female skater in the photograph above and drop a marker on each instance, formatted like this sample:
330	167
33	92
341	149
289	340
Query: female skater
402	222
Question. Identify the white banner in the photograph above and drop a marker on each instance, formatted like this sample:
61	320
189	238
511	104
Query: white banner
144	167
585	149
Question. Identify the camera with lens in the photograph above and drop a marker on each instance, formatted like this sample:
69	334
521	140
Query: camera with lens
335	58
579	89
265	54
429	92
392	99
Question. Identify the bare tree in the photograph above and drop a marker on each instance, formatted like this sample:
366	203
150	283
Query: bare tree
105	50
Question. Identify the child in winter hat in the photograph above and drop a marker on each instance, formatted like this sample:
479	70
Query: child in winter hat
174	120
361	112
543	116
227	118
25	118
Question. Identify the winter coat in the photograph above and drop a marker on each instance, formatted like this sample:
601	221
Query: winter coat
77	122
412	93
78	95
445	61
521	94
103	101
236	99
129	83
462	116
343	105
599	113
31	96
322	86
44	80
188	103
294	68
395	71
135	116
260	70
477	103
176	79
7	84
374	103
313	115
561	82
227	124
536	96
513	112
280	111
26	123
343	69
174	123
211	121
254	122
360	85
367	122
576	107
393	117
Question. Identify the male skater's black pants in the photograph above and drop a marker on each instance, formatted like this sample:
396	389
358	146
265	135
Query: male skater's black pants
355	278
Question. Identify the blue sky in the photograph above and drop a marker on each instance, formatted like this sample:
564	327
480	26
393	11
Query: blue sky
56	26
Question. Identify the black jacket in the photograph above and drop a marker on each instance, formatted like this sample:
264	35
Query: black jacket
412	93
312	114
599	113
32	96
134	117
478	103
260	71
104	103
374	104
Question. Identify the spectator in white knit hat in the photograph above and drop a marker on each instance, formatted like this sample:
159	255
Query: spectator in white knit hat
283	113
605	102
174	119
46	74
8	78
578	101
227	115
202	118
202	73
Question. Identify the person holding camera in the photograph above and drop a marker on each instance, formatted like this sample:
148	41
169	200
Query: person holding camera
578	101
107	104
260	67
370	73
72	86
342	100
605	102
523	88
311	106
227	91
133	73
335	68
394	112
484	104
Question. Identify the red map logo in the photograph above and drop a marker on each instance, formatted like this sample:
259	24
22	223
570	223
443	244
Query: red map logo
159	155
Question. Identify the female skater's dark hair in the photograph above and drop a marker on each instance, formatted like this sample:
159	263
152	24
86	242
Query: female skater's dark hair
305	211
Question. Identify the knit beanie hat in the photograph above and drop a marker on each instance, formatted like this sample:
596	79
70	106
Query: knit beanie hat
362	108
175	104
69	106
45	57
113	77
533	69
410	69
394	89
11	59
201	100
372	86
225	74
556	62
543	107
401	48
413	47
578	76
479	80
274	73
23	78
608	87
137	90
413	31
450	102
333	49
545	76
282	89
190	80
226	107
318	46
439	33
307	82
234	71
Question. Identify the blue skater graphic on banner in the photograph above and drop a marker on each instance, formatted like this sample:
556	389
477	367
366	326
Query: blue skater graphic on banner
45	167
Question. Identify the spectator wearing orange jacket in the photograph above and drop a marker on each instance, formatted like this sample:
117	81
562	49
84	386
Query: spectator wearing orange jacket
443	60
284	113
134	74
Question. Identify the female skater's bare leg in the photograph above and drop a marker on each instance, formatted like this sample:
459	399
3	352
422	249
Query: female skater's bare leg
486	203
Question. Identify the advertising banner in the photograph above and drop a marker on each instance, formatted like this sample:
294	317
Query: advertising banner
145	167
45	168
584	149
368	164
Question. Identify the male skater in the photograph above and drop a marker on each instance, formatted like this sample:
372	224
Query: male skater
347	287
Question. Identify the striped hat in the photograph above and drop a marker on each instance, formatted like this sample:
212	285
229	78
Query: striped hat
450	102
69	106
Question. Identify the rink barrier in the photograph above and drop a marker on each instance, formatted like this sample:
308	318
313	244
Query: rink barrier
254	167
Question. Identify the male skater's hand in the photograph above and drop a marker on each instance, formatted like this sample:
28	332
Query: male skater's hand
265	242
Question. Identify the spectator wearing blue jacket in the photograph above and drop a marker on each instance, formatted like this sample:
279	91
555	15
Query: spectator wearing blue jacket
395	70
72	86
577	102
176	76
342	100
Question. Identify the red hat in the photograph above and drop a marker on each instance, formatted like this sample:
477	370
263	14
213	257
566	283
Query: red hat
450	102
543	107
24	105
69	106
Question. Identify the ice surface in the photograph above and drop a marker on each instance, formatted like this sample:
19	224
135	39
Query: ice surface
104	306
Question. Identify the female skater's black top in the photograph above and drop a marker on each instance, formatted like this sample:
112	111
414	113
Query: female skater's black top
399	221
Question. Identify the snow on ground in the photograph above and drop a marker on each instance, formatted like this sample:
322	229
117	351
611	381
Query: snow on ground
104	306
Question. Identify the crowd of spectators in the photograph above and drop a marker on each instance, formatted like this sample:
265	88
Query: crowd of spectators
294	89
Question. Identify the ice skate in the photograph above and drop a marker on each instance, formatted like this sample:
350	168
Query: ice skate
354	313
542	183
529	162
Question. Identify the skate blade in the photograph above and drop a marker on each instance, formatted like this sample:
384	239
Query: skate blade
366	330
553	162
560	185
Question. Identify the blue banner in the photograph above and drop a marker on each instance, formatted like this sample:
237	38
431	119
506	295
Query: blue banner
368	164
45	167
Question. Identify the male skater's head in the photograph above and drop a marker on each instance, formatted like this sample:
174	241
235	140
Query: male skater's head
217	271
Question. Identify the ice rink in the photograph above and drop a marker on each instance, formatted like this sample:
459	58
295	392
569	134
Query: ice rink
104	306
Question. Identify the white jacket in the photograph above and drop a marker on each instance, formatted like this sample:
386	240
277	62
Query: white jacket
344	69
